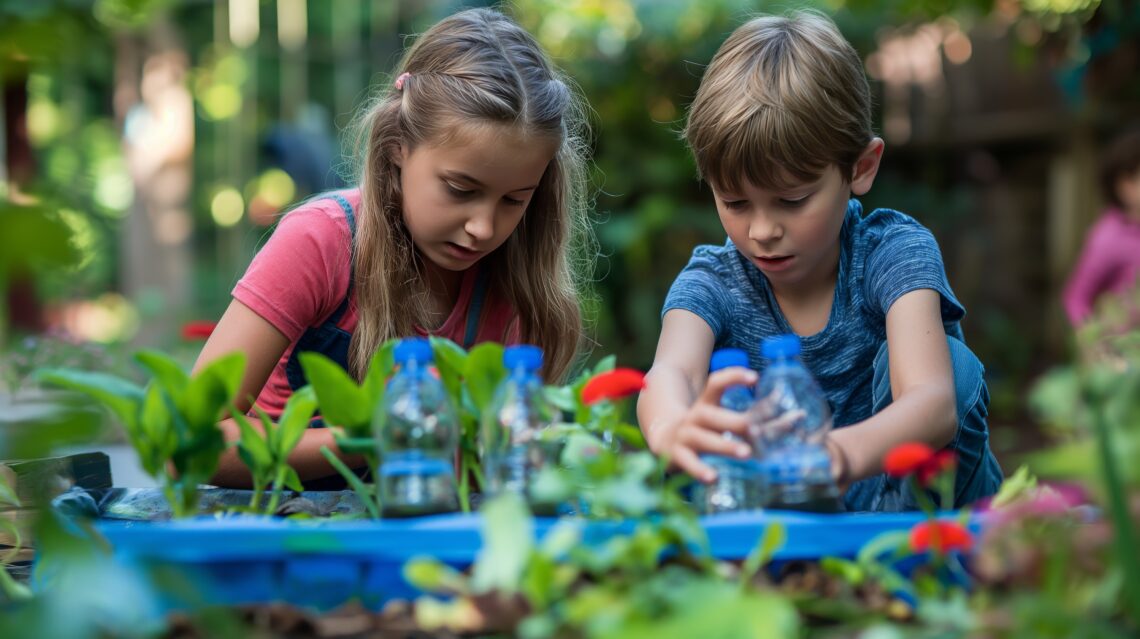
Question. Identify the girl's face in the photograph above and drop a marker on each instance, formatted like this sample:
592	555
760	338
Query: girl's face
463	199
1128	190
792	235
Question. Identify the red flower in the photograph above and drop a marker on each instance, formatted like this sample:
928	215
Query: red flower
197	330
940	536
615	384
941	461
915	458
906	459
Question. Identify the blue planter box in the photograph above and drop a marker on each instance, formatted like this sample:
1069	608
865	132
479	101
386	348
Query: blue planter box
323	564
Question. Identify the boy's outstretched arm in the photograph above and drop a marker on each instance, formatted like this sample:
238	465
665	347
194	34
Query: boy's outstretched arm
679	410
922	388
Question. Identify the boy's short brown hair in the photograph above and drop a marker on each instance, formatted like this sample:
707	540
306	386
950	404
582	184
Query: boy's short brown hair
1122	158
784	98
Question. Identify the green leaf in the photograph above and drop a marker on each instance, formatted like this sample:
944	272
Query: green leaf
254	448
561	397
773	538
451	362
432	575
342	401
849	571
379	371
153	437
166	372
294	421
293	480
508	538
211	391
483	373
354	481
120	395
1014	487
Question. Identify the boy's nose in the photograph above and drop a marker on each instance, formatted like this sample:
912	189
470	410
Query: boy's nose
763	229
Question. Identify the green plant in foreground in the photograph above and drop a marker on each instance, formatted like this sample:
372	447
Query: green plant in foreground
266	451
172	422
652	579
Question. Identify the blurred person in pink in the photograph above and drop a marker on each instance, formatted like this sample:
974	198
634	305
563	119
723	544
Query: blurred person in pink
1110	260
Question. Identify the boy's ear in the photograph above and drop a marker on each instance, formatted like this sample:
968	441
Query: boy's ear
867	167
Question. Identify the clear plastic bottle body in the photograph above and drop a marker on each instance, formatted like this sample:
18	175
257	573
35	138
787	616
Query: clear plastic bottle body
417	437
739	484
791	419
513	433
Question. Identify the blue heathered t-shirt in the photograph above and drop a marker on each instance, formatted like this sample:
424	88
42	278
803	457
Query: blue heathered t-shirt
882	257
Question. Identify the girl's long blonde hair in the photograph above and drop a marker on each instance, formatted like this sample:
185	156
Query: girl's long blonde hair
472	68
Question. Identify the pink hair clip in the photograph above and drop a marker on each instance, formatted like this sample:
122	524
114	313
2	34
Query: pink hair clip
401	80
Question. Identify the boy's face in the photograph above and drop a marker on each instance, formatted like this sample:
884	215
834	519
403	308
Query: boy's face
791	235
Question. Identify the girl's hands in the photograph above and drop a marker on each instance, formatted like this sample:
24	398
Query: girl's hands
703	428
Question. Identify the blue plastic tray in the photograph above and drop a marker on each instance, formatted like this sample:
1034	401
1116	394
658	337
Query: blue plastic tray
323	564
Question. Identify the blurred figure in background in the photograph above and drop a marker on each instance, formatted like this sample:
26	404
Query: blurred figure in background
1110	259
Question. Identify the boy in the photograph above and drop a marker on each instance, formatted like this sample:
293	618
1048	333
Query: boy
781	131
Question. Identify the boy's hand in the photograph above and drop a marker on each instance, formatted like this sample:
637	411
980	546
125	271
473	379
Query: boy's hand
840	465
702	428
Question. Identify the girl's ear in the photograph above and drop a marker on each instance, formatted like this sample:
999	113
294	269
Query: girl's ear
399	155
867	167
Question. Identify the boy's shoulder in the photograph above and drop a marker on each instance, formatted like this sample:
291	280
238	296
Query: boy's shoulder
884	226
723	260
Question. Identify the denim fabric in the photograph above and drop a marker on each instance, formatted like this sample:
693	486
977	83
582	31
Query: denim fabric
978	473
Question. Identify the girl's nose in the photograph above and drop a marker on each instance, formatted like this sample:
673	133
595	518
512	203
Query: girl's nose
481	225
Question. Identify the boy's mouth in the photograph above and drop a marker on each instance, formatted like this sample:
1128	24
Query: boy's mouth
775	262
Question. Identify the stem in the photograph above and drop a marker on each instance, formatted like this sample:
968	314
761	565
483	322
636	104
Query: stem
255	500
464	487
1125	536
275	494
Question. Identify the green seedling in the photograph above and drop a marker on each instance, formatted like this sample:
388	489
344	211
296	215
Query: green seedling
172	422
266	451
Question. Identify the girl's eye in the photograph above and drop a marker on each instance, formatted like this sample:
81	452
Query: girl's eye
513	201
457	192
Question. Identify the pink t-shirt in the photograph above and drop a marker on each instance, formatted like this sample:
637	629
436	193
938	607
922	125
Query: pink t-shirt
1109	263
301	275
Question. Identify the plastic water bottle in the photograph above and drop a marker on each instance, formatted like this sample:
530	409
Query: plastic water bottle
417	436
739	485
514	426
790	420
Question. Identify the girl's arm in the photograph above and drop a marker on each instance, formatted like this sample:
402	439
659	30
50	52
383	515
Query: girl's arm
922	388
679	413
241	329
1087	280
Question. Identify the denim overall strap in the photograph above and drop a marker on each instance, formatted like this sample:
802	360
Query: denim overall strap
327	339
476	308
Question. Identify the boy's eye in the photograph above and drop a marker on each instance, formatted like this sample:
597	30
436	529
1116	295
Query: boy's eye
735	205
796	203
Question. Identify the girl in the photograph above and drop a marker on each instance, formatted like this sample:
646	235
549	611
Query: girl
470	199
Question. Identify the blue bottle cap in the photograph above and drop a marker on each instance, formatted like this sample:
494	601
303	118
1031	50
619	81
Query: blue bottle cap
413	348
728	357
781	346
525	356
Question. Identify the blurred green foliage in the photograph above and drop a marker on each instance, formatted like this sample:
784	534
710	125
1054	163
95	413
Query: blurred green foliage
638	62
